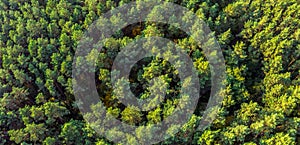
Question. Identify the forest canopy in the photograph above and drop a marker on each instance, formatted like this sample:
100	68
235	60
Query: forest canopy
259	39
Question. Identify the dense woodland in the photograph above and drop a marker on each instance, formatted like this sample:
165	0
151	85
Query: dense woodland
260	40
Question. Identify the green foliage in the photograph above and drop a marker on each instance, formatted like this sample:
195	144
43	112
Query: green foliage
71	131
131	115
260	41
49	141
